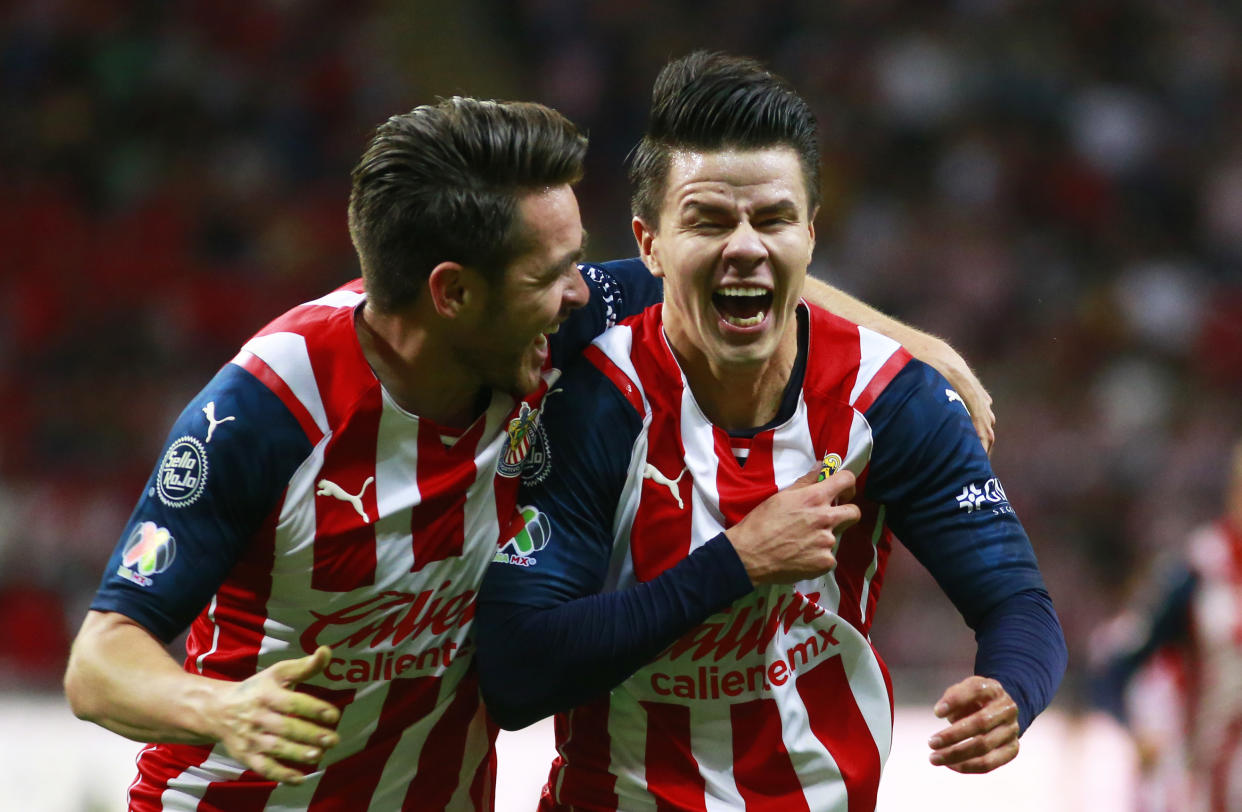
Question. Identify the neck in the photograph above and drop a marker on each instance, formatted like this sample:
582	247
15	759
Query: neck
418	369
738	396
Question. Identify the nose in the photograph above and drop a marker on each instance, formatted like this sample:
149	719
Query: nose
576	293
745	248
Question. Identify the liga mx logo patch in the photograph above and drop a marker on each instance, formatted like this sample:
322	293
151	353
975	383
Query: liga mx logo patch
521	433
531	532
149	550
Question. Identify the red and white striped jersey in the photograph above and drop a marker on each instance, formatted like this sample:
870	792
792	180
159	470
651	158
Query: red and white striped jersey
778	702
374	530
1216	665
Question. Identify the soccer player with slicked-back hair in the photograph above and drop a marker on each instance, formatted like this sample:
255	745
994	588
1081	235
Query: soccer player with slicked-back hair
692	661
324	510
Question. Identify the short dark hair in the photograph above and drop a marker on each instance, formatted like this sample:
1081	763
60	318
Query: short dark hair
442	182
710	101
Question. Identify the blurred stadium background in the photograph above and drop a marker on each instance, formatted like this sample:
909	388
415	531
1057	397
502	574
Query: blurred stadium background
1056	187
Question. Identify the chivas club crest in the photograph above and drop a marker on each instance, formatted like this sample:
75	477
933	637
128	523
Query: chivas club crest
521	432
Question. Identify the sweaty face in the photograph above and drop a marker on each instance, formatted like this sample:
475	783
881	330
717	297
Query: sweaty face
539	290
733	245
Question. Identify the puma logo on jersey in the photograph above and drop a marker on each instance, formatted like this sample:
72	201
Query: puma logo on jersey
650	472
210	411
952	396
329	488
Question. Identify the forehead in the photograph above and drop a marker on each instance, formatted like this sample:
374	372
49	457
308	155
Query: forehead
760	175
549	224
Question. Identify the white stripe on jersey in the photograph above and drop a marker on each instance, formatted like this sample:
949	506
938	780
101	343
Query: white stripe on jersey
876	350
822	785
706	518
621	567
186	789
707	731
215	634
339	298
628	756
617	344
286	354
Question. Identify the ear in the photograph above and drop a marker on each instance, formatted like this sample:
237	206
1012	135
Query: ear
810	223
644	235
453	289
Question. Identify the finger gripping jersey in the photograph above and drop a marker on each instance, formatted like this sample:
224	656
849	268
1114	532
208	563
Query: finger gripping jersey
779	700
297	505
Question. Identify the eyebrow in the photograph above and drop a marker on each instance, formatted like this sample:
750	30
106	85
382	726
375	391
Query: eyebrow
784	204
573	257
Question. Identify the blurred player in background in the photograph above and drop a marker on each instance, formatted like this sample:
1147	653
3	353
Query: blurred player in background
324	510
1177	680
691	668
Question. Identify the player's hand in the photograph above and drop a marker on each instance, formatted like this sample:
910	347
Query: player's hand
984	730
264	722
937	353
792	535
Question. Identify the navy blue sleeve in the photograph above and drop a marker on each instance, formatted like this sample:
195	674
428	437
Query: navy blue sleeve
1168	624
223	469
619	289
944	502
547	638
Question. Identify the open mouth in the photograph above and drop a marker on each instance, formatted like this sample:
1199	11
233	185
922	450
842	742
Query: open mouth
741	305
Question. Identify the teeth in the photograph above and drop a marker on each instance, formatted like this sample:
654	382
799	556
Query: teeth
738	290
747	322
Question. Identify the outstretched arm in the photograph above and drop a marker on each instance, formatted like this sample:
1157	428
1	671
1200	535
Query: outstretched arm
933	351
121	678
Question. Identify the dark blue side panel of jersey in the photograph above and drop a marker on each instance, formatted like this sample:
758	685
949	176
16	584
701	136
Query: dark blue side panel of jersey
213	488
619	289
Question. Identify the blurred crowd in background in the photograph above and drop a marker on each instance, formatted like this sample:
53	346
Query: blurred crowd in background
1055	187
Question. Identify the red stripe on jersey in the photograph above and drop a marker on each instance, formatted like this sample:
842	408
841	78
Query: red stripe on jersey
438	521
831	373
764	773
356	776
839	725
659	515
588	784
619	379
742	487
444	752
673	776
896	362
483	787
258	368
341	370
249	792
854	556
157	765
345	538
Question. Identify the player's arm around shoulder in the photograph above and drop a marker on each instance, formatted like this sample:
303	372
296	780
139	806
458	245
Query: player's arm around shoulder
934	351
